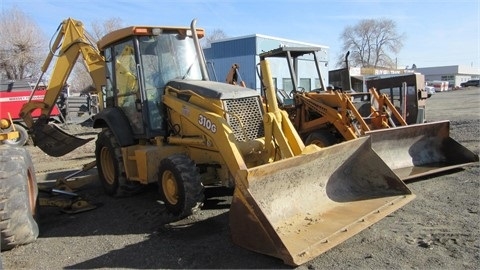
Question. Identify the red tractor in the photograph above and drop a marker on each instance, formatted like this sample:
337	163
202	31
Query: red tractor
13	94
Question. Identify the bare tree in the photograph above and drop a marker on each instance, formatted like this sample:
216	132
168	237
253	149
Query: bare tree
22	46
370	43
215	35
99	29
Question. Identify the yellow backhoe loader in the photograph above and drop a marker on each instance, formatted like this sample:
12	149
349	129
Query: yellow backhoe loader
327	116
163	121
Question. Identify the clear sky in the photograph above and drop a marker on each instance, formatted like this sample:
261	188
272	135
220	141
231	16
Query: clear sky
437	32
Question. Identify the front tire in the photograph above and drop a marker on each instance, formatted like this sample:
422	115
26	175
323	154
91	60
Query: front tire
180	185
111	171
321	138
18	198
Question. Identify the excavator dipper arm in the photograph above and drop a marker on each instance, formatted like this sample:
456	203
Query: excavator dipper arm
70	43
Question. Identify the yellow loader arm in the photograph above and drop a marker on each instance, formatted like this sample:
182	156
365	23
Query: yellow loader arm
70	43
384	102
277	123
308	102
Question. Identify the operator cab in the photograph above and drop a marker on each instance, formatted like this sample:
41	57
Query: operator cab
140	62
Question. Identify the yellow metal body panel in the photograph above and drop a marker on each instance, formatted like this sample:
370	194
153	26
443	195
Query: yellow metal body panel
9	136
142	161
187	114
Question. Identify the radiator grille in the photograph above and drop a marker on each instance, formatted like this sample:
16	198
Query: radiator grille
246	112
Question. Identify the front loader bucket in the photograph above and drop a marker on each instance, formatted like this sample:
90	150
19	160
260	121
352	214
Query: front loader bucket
297	208
55	142
418	150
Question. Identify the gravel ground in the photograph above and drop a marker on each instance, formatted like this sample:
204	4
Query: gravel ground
440	229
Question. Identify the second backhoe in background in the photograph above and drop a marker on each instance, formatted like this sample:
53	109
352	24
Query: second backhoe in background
329	116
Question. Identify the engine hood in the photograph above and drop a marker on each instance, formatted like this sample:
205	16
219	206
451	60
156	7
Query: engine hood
212	89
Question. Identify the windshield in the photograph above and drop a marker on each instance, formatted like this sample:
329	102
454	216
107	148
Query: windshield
163	58
169	56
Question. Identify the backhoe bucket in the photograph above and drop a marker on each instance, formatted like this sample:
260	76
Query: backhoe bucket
55	142
296	209
418	150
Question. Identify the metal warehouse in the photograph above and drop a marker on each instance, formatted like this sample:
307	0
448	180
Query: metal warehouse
455	75
244	51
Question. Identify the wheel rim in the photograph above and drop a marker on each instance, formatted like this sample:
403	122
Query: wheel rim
169	187
32	198
108	169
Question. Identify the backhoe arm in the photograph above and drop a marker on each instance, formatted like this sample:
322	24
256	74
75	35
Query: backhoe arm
233	76
70	43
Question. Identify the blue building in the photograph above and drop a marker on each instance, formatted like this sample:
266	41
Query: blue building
244	51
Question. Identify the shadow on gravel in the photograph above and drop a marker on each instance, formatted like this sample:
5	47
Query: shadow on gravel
199	241
434	175
199	245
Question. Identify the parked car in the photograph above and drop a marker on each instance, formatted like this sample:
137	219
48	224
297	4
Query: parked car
430	90
470	83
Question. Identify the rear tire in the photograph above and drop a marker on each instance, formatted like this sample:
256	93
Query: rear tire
18	198
180	185
111	170
321	138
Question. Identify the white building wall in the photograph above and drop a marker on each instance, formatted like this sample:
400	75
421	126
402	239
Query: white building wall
455	75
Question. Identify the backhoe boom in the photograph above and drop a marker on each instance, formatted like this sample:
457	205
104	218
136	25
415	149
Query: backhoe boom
71	42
